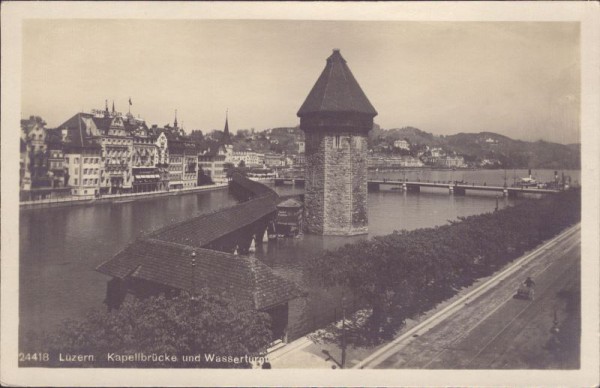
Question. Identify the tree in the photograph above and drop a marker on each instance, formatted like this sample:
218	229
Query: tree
242	164
242	134
196	136
179	326
203	179
408	272
228	167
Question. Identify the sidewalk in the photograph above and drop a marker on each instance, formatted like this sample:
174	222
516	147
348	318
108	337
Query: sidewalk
303	353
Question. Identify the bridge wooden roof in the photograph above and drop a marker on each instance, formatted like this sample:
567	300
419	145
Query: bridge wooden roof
256	189
240	278
206	228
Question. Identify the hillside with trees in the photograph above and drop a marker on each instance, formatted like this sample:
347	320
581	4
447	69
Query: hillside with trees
476	147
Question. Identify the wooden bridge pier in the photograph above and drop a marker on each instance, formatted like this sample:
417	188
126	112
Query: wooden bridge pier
459	190
373	187
412	188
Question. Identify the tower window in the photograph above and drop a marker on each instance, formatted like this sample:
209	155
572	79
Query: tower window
338	143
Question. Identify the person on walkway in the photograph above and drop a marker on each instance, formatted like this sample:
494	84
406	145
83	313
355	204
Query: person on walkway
529	282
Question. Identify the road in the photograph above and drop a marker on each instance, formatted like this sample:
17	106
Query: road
497	331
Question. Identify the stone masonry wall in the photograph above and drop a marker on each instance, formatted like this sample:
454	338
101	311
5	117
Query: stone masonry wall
315	185
345	185
336	183
360	219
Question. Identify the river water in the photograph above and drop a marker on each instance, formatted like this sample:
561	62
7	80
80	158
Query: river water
60	248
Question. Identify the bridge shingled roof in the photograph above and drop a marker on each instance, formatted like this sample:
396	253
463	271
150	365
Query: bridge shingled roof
165	256
336	90
215	225
243	279
256	188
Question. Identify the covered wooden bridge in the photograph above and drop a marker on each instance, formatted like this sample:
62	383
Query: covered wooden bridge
208	252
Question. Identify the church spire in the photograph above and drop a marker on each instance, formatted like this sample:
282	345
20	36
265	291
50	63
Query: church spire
175	122
113	108
226	135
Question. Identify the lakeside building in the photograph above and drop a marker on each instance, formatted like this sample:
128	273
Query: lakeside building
274	160
402	144
133	157
108	129
212	160
56	159
144	160
190	164
162	157
212	163
42	173
83	162
24	170
176	148
250	158
35	160
445	161
385	161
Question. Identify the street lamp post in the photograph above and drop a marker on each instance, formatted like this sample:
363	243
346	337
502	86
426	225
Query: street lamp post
341	364
193	288
343	332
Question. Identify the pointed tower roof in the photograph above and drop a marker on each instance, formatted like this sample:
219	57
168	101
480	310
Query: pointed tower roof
336	91
226	135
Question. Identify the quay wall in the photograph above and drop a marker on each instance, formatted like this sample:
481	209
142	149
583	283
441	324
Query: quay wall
112	198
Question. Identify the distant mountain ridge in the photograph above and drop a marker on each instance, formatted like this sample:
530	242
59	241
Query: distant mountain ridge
475	147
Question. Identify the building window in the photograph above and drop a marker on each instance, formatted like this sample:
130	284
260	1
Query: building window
76	170
338	141
75	181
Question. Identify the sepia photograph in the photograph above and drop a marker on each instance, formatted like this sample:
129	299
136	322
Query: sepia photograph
340	198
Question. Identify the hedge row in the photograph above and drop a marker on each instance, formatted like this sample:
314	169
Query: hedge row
409	272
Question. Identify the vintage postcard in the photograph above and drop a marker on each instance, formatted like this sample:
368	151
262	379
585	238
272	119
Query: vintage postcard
274	194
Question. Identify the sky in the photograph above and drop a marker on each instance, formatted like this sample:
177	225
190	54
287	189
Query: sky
519	79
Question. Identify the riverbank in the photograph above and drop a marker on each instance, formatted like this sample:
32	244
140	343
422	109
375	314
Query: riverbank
114	198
